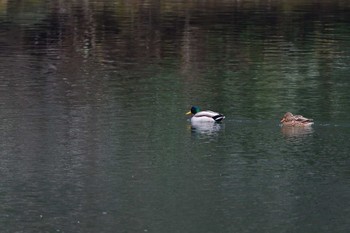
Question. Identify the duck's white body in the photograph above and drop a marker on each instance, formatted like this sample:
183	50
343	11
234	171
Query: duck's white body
207	116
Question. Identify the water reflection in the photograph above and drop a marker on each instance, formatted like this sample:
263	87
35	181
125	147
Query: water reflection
296	133
85	87
209	129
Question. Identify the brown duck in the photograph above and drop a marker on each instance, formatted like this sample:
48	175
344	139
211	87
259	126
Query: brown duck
296	120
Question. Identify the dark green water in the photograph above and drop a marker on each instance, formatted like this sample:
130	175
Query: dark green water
93	132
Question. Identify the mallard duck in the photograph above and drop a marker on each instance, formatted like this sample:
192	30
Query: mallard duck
295	120
204	116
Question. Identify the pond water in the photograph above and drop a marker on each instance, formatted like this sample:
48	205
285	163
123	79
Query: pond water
94	137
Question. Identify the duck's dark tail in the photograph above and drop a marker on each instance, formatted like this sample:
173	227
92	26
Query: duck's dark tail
218	117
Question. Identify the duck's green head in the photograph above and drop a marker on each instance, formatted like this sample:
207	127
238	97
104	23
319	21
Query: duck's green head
194	110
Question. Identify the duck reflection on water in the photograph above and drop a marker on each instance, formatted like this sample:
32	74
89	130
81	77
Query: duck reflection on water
291	131
205	128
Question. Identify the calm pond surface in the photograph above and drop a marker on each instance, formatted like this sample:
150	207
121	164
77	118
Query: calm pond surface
94	137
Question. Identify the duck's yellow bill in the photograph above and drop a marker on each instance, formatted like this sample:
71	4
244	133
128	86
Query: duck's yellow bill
188	113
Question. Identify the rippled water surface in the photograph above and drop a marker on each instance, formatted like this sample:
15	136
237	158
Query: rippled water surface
94	137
